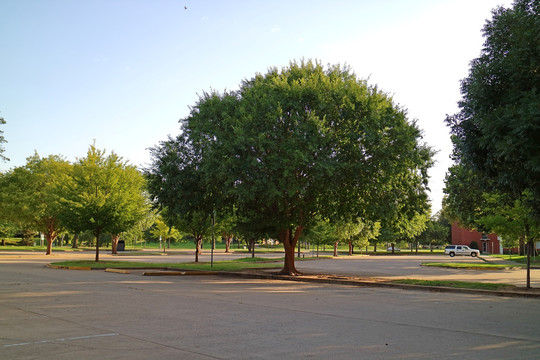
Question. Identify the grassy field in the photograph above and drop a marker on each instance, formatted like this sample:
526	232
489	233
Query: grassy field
454	284
481	266
521	259
232	265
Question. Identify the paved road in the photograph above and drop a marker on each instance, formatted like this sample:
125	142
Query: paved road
61	314
383	267
394	267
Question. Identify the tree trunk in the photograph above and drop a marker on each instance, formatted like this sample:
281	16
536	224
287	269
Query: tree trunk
97	234
198	243
335	248
50	238
51	233
529	248
289	243
115	239
375	248
521	246
350	248
74	244
228	239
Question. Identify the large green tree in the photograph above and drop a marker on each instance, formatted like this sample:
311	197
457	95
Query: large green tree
306	142
176	184
497	130
475	203
105	195
30	194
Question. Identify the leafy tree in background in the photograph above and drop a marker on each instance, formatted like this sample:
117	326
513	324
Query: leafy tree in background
30	195
464	201
321	233
496	130
415	228
164	232
104	194
437	232
225	226
363	235
7	229
299	144
511	219
176	184
2	141
136	232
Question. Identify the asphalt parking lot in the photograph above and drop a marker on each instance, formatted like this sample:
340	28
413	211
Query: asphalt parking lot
66	314
376	267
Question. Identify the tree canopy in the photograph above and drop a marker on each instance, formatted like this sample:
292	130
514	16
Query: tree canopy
104	194
294	145
30	195
496	133
497	130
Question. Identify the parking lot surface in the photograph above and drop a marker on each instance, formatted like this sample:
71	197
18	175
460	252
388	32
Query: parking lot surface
68	314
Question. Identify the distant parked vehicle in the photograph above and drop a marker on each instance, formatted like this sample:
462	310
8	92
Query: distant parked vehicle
395	249
454	250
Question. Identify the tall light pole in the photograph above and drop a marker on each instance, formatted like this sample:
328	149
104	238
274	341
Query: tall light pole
213	241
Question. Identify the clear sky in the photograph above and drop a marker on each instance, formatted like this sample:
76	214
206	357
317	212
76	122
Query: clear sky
123	72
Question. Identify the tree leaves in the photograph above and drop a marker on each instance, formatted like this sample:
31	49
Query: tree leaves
497	130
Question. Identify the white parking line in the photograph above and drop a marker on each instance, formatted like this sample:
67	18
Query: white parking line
66	339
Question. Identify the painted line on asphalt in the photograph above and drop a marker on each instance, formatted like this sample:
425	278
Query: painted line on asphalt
65	339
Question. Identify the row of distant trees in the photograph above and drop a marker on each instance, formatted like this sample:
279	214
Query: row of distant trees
303	152
98	193
103	195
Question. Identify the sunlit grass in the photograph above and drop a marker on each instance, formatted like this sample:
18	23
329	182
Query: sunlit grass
522	259
479	266
454	284
229	265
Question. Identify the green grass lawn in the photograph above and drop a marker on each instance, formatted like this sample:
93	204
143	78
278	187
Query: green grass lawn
480	266
229	265
454	284
521	259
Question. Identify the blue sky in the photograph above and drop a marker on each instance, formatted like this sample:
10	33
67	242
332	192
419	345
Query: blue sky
123	72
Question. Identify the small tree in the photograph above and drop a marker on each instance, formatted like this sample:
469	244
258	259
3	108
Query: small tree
30	195
164	232
437	232
105	194
6	230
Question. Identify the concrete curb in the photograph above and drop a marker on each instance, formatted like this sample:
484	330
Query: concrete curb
343	280
69	267
325	279
118	271
179	273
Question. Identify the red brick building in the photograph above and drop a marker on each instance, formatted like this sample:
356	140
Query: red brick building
490	244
